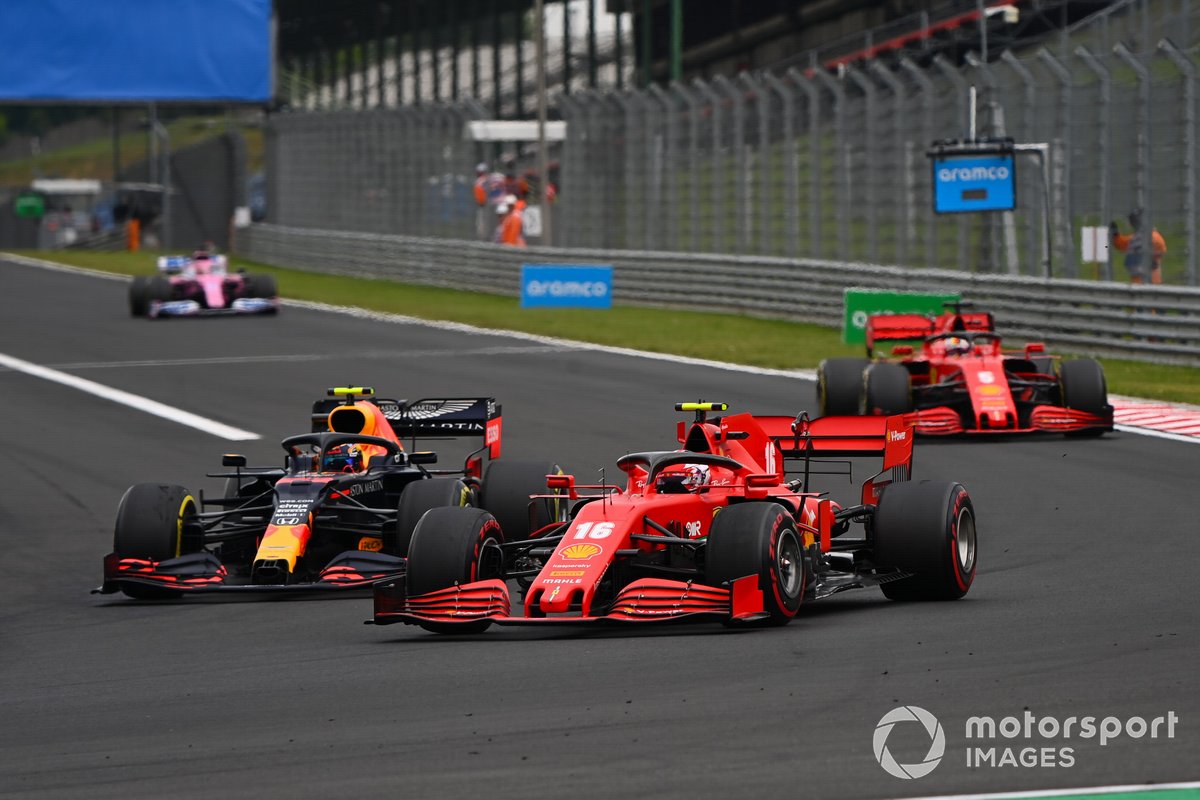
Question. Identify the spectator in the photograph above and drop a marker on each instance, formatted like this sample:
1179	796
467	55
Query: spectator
489	193
510	223
1136	263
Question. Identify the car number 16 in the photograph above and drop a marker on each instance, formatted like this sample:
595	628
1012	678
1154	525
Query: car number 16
594	530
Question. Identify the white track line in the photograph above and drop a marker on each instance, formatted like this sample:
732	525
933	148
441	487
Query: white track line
1141	787
132	400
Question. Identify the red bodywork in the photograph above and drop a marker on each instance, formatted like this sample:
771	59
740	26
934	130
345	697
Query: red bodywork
589	575
984	389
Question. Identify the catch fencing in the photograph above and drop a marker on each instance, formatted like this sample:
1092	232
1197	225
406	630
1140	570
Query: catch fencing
806	163
1152	323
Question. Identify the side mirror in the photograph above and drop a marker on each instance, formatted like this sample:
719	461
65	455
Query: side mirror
902	350
233	460
1034	347
422	457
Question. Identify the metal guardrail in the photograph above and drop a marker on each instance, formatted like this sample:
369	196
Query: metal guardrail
1159	324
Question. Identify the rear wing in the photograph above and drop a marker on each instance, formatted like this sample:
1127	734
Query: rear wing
846	437
430	418
897	327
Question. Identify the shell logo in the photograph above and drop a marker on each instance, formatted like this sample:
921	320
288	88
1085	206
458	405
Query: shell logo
581	552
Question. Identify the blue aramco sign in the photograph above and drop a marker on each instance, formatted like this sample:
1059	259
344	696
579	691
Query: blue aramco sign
566	286
974	183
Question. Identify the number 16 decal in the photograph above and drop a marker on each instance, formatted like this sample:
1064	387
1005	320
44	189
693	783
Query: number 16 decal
594	530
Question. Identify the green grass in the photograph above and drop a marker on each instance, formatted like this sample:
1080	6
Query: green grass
721	337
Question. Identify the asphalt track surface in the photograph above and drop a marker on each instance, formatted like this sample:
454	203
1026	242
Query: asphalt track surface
1085	602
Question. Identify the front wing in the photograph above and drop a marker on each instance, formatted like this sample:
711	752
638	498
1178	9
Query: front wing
192	308
644	600
199	573
945	421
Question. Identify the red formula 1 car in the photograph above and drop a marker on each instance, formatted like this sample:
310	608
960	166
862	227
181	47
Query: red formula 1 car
340	513
961	380
200	285
726	528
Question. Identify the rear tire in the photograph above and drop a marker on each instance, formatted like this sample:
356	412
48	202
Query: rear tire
1081	382
840	386
928	529
454	546
507	486
139	299
759	538
419	497
887	390
152	522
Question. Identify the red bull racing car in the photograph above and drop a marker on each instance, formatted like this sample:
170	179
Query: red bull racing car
959	379
339	514
727	528
200	285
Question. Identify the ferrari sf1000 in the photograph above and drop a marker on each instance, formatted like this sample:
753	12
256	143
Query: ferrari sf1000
726	528
961	380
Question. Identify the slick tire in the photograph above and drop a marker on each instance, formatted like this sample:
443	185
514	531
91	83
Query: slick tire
419	497
454	546
926	528
887	390
840	386
263	286
153	522
507	486
759	538
159	288
1083	388
139	298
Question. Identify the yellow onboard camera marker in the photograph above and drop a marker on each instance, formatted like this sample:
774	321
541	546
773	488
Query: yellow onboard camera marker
701	407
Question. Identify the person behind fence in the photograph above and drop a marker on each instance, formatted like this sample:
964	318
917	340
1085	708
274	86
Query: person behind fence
1140	268
489	192
510	222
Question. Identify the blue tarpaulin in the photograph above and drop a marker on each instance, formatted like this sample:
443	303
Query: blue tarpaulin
135	50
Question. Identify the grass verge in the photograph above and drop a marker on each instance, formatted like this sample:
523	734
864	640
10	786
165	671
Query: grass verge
721	337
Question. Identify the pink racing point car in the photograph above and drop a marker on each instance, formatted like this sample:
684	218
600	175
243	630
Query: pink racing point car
200	285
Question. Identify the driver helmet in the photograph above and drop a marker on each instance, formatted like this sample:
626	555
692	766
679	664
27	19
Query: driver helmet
681	479
957	345
343	458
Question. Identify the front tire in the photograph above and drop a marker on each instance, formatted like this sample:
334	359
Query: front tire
1081	382
759	538
507	486
419	497
263	286
454	546
928	529
154	522
887	390
840	386
139	298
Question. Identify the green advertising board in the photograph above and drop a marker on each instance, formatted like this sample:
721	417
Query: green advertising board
862	303
29	204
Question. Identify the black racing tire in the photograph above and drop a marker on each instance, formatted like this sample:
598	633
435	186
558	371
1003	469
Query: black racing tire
151	524
926	528
759	538
419	497
263	286
159	288
840	386
887	389
139	298
1081	382
507	486
454	546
